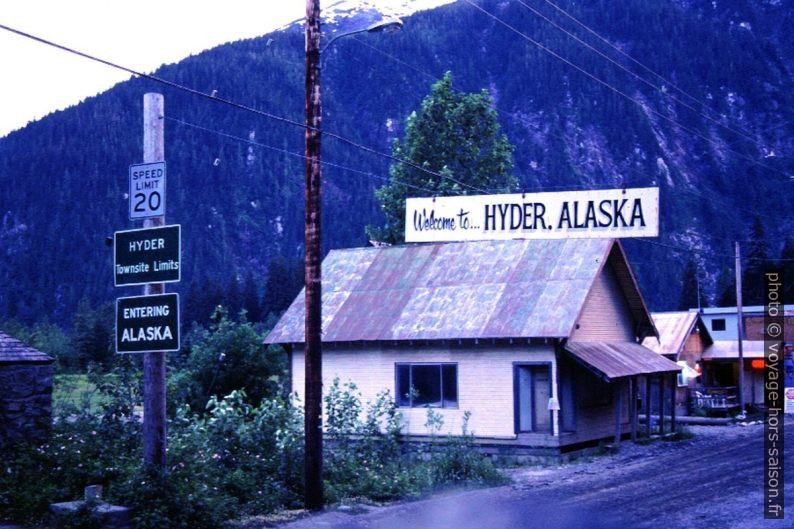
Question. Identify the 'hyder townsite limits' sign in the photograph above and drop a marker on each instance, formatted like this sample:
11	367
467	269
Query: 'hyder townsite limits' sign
149	255
147	323
570	214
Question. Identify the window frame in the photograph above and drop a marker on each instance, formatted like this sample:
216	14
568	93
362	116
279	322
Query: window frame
398	398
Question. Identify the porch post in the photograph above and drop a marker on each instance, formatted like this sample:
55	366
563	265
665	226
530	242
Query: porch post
661	404
674	391
616	389
633	411
648	406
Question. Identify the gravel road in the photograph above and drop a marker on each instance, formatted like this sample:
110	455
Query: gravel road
713	481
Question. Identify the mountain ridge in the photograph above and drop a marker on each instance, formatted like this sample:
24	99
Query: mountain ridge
240	203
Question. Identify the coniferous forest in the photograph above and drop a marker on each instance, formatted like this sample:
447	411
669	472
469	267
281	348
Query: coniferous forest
715	136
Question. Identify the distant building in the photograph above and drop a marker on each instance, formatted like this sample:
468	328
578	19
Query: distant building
25	391
721	322
683	336
721	360
538	339
721	367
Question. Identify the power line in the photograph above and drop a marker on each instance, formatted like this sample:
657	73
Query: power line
636	76
635	61
705	250
239	106
617	90
291	153
747	210
572	187
519	119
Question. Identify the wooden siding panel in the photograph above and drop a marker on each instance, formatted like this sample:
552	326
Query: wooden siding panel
605	315
485	381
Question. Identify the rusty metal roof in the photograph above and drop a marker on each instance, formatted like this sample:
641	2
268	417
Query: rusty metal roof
674	329
729	350
613	360
12	351
482	289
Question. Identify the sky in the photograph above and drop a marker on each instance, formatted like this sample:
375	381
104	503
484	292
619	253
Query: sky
139	34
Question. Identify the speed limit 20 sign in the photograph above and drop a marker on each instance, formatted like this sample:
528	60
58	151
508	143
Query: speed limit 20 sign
147	190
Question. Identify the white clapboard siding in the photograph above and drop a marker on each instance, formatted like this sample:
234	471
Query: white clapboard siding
605	314
485	380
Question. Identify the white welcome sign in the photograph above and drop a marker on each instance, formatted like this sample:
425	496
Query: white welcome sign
570	214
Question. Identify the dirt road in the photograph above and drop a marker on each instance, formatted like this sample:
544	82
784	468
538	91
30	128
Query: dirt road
713	481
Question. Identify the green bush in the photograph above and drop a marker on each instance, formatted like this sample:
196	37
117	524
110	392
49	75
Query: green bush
230	459
363	455
226	357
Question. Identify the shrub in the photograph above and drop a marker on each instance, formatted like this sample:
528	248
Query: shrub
226	357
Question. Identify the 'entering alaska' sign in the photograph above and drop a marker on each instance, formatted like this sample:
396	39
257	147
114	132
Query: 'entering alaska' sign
570	214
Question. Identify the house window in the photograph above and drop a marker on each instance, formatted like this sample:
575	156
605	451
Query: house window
427	385
718	324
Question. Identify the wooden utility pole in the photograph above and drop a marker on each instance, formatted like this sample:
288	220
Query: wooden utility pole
740	325
313	462
648	406
154	435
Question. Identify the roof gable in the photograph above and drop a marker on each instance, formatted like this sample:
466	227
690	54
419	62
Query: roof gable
674	330
482	289
12	351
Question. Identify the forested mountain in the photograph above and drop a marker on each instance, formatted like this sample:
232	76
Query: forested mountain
721	150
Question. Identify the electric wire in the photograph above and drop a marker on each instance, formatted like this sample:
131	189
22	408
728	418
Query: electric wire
632	59
562	138
291	153
334	135
240	106
638	77
706	250
619	91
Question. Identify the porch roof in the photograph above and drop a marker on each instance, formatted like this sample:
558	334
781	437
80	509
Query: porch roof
729	350
614	360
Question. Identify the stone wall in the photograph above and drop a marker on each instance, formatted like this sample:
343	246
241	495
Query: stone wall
25	401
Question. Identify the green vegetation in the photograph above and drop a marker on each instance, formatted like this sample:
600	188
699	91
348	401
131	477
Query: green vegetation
72	392
569	131
229	455
455	135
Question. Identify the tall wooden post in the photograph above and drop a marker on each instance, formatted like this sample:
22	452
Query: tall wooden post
673	395
740	325
648	406
618	393
661	404
154	434
313	462
633	411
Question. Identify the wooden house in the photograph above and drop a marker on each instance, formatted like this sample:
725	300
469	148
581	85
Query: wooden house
538	339
721	371
683	336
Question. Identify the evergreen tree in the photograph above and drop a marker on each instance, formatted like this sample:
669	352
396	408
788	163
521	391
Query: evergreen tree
251	299
233	298
756	252
192	304
689	286
92	335
726	288
456	135
280	288
787	266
